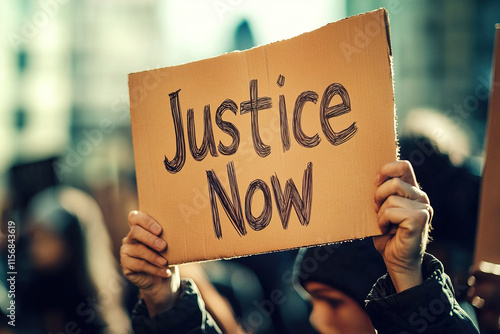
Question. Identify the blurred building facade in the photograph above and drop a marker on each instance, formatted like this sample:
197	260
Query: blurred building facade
64	67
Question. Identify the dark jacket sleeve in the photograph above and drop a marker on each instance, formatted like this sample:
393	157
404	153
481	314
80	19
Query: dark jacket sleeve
188	316
428	308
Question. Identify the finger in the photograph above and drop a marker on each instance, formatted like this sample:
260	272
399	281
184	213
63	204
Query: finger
412	220
401	169
400	188
380	242
142	219
139	251
394	201
132	265
139	234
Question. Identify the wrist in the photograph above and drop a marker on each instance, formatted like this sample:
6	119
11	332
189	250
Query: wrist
406	279
159	301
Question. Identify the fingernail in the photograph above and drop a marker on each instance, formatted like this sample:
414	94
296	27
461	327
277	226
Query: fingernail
162	261
168	272
135	212
156	229
160	244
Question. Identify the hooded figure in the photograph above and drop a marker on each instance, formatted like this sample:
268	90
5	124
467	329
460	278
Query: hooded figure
71	282
337	279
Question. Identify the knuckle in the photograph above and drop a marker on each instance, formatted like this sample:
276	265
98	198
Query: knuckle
143	252
134	231
412	229
392	201
423	218
124	262
406	165
429	211
124	252
142	265
427	200
395	182
126	271
421	194
125	248
396	185
384	216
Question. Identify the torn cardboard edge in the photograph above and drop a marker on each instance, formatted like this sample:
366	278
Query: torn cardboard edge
387	31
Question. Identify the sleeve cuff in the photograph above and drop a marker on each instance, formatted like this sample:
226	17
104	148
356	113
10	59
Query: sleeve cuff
187	316
427	305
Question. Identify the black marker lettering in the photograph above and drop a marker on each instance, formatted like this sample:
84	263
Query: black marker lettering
281	80
326	112
208	135
253	106
233	210
291	197
300	136
228	127
260	222
285	133
176	164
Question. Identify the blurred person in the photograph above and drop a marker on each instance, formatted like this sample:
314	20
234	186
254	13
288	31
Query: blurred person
440	148
403	300
72	283
339	276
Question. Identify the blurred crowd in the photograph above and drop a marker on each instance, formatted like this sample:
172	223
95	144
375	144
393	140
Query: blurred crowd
68	240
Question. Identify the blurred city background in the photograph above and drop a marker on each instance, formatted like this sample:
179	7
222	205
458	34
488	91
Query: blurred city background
64	106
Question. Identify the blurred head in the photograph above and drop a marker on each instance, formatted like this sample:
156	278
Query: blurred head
57	240
337	279
335	312
48	251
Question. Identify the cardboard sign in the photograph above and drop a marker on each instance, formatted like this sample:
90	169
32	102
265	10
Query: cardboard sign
268	149
487	245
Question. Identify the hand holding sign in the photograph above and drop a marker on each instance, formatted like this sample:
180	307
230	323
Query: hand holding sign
145	267
399	202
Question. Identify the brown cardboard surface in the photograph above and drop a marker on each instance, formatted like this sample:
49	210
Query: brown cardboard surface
336	204
488	233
